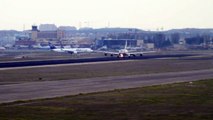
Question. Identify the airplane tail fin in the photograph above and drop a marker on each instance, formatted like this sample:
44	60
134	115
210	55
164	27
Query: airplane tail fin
125	45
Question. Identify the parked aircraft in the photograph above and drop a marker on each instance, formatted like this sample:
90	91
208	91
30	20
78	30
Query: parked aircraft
2	48
70	50
41	47
125	52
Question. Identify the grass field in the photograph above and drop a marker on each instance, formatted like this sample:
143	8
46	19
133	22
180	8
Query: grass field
182	101
135	67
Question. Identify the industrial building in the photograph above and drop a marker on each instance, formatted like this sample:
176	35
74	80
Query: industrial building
37	34
116	43
47	27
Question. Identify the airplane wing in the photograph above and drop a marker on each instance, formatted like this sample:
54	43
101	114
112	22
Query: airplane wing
141	52
108	52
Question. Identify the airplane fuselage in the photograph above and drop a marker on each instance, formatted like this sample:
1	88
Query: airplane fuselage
70	50
123	53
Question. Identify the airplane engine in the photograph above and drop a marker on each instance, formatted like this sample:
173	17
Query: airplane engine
70	52
121	55
75	52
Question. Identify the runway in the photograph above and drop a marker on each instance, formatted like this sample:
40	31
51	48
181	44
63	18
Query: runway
50	89
83	60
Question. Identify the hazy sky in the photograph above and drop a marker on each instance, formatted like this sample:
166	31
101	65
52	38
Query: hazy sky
144	14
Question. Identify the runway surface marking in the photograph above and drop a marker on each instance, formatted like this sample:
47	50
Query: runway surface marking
50	89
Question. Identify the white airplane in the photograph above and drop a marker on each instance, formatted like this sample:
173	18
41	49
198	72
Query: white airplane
41	47
2	48
70	50
125	53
